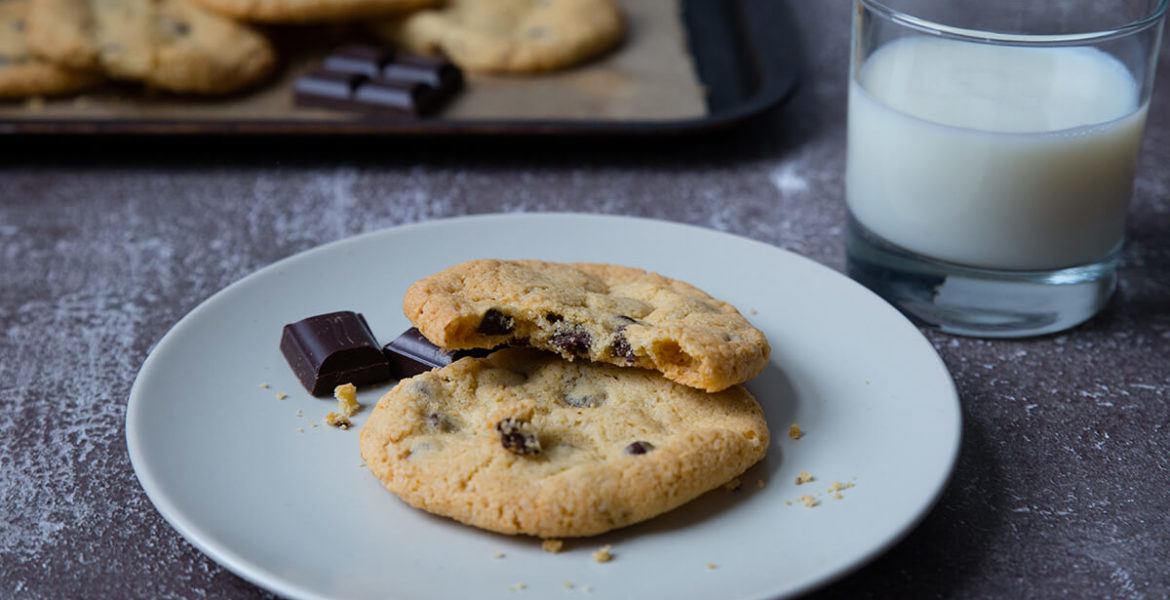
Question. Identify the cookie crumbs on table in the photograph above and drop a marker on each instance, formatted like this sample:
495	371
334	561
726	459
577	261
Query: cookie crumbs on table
803	477
711	566
498	554
732	485
341	422
552	546
281	395
760	483
518	587
809	500
264	385
795	432
602	554
568	585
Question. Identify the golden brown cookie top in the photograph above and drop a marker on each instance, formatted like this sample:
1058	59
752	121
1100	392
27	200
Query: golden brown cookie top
603	313
21	73
516	36
523	442
171	45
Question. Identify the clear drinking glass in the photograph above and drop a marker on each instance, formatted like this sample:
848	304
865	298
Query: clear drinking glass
991	155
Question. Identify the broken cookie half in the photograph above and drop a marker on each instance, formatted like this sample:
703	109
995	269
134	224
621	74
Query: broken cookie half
597	312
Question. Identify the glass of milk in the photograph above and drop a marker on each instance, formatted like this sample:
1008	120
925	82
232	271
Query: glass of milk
991	154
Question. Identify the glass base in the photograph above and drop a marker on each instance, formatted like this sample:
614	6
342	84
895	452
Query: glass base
978	302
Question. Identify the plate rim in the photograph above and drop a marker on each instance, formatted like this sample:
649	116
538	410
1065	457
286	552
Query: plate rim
239	565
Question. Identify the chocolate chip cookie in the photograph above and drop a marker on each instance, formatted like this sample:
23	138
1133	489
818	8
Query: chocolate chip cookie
518	36
312	11
171	45
21	73
603	313
523	442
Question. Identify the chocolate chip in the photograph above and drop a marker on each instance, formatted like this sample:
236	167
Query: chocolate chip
553	318
620	348
573	341
639	448
496	323
515	439
441	422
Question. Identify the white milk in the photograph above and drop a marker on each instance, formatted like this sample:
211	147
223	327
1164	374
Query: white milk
992	156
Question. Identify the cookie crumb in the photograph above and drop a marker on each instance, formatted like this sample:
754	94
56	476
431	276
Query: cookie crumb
587	589
838	486
808	500
299	413
787	503
795	432
760	483
347	403
551	545
300	429
803	478
567	584
281	395
264	385
339	421
498	554
313	425
838	496
602	554
518	586
753	311
732	485
710	566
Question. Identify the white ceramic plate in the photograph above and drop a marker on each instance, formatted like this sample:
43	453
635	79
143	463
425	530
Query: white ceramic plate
227	464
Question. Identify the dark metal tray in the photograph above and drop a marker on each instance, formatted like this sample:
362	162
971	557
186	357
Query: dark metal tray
741	51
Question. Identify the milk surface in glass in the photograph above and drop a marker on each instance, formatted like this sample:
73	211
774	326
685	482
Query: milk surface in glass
993	156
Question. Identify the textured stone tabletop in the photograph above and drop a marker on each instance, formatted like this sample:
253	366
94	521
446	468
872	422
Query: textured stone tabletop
1063	482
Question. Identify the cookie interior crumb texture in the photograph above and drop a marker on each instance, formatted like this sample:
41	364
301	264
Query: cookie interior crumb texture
339	421
809	500
347	403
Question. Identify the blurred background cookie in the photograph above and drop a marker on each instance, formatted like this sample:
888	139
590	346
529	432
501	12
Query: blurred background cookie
510	36
171	45
312	11
21	73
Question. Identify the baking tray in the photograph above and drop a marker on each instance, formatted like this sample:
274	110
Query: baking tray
743	54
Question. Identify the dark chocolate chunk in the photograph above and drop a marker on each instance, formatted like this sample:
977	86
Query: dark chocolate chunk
379	81
515	439
359	59
639	448
574	341
411	353
495	322
553	318
328	350
620	348
354	91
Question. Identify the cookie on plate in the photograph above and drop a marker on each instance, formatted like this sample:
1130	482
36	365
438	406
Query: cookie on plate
523	442
517	36
312	11
604	313
21	73
171	45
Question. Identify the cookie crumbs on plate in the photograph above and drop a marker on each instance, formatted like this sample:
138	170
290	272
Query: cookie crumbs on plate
710	566
300	429
518	586
753	311
787	503
264	385
803	478
552	545
341	422
299	413
808	500
602	554
313	425
760	483
498	554
795	432
587	589
732	485
281	395
567	584
347	403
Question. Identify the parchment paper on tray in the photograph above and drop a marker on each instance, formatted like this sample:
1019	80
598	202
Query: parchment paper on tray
650	77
